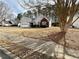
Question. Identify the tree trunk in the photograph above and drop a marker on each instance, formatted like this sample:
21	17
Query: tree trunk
64	45
64	30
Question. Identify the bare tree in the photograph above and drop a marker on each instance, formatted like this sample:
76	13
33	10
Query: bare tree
4	11
65	10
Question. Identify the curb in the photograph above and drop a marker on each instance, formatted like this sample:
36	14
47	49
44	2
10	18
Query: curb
9	53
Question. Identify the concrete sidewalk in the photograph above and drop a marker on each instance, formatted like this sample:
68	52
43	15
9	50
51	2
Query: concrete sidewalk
3	55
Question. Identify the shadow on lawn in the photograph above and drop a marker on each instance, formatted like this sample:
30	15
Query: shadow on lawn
58	38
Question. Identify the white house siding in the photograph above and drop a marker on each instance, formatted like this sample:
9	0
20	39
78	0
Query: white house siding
76	24
25	22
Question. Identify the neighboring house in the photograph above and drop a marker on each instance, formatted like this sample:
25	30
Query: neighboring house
76	24
40	21
8	22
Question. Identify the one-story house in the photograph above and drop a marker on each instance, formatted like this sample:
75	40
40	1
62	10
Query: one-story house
42	21
39	21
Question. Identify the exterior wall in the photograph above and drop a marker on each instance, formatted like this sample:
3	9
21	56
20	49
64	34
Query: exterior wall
25	22
76	24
